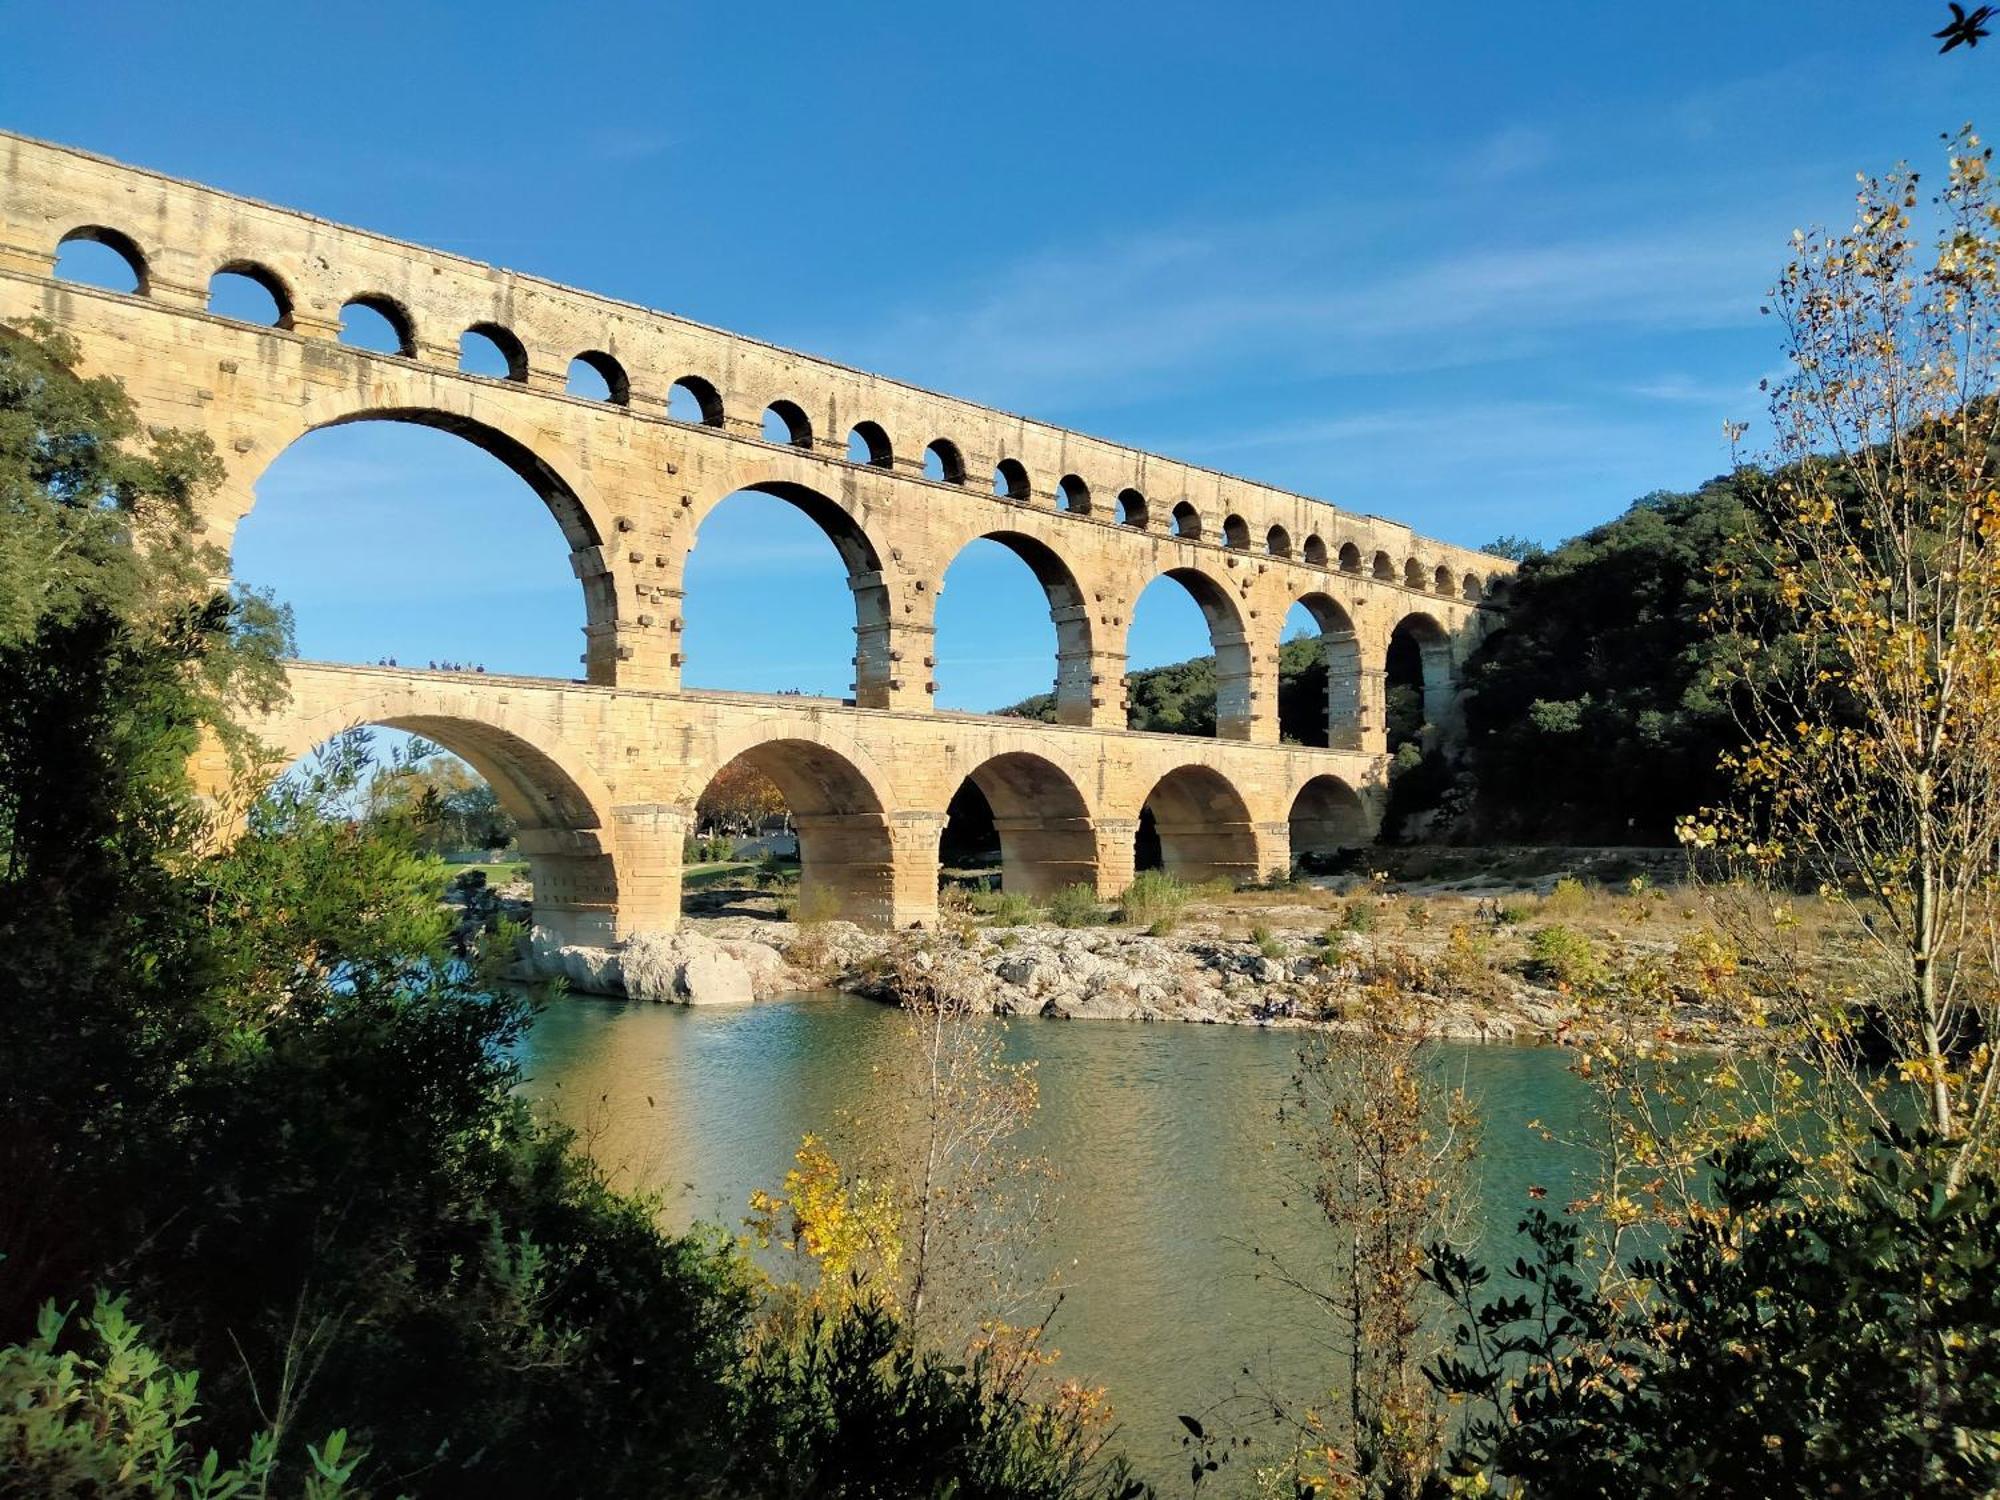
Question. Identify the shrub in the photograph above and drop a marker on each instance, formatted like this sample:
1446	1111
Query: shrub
1358	915
1789	1345
1564	957
1266	942
111	1417
712	849
1708	966
1569	897
1154	900
1004	908
1398	969
846	1406
1510	914
1466	967
1075	906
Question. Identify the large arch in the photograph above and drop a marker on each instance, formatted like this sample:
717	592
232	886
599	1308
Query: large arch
847	855
874	667
1340	651
572	510
1420	649
1047	838
1068	612
1229	643
1203	826
1327	818
568	828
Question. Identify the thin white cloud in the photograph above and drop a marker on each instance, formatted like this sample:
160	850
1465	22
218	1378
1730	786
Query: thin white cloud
1740	398
1467	471
1158	308
1516	151
626	145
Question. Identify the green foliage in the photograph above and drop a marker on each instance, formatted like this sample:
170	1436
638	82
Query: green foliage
1592	717
1076	906
846	1407
104	1415
453	810
1564	957
1514	548
1175	699
1789	1346
1154	900
1568	897
1358	915
1004	908
713	849
1558	718
1179	698
1266	942
253	1076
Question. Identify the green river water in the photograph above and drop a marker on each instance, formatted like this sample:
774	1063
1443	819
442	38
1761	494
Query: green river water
1164	1136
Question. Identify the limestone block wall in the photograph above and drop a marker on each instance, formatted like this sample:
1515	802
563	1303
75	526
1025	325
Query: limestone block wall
604	782
604	773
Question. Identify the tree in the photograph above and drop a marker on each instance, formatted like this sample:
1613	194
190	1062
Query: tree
1514	548
1796	1346
739	799
937	1219
250	1082
452	806
1592	715
1872	690
1383	1145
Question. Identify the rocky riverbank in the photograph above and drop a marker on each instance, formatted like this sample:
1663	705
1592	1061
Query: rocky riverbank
1301	956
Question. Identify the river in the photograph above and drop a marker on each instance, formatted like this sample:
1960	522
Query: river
1165	1137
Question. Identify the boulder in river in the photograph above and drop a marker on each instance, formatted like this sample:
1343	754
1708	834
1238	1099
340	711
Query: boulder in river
686	969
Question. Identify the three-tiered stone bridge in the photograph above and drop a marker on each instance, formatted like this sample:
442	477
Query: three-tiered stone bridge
604	773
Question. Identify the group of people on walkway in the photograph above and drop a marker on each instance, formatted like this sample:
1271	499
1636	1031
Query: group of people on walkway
437	666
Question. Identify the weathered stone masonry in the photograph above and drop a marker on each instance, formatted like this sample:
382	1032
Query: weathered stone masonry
604	773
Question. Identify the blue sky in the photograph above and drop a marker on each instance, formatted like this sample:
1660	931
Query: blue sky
1481	268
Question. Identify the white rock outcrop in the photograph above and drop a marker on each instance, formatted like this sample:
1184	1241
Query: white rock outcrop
685	969
680	968
590	971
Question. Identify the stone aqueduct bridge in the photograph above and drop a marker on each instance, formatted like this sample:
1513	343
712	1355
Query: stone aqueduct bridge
604	773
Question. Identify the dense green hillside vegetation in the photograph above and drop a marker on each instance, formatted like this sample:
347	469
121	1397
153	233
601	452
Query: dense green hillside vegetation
1180	698
1593	715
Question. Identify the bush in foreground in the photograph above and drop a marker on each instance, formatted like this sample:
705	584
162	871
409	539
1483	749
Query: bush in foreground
1790	1346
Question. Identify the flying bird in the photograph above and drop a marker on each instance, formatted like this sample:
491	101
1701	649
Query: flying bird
1965	28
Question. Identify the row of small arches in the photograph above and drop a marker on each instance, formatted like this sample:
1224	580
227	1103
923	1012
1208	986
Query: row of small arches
249	292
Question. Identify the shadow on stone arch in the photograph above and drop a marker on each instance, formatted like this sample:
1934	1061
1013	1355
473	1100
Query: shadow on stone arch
845	857
1024	815
1328	823
1196	827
